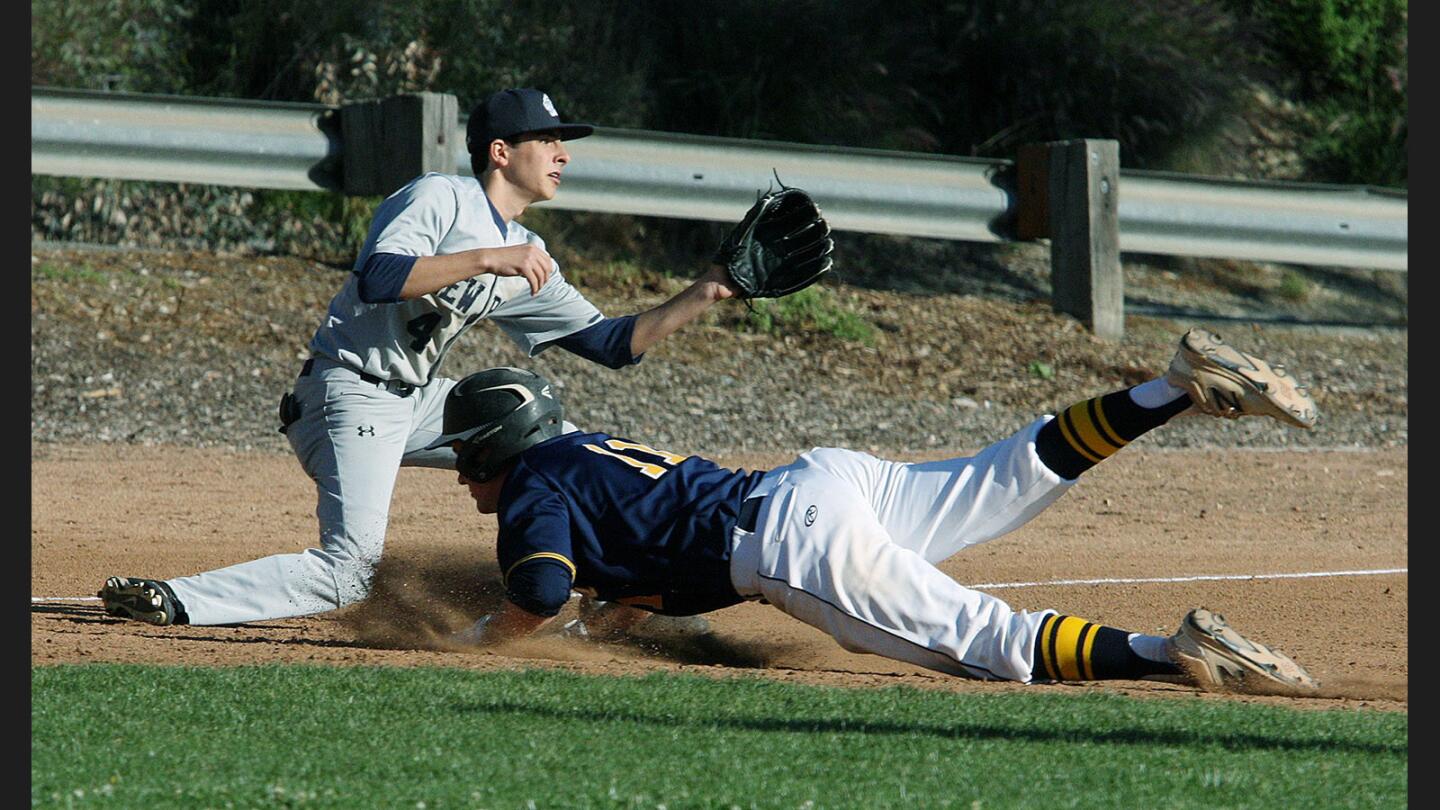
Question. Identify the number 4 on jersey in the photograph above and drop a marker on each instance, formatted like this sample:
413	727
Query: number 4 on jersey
631	453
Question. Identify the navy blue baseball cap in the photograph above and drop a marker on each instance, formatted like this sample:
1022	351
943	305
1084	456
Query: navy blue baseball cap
515	112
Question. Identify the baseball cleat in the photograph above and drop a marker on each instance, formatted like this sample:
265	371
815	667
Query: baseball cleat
145	600
1217	658
662	625
611	620
1223	381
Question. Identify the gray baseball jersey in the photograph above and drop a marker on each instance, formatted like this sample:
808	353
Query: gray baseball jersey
436	215
370	401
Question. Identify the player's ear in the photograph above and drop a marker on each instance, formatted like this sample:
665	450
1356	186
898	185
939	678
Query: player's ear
499	152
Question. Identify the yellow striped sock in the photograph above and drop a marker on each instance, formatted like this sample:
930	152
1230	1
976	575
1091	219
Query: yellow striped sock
1064	648
1088	432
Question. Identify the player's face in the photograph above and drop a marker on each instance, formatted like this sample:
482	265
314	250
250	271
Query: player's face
537	160
486	495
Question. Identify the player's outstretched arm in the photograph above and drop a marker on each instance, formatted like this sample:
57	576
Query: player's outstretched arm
433	273
654	325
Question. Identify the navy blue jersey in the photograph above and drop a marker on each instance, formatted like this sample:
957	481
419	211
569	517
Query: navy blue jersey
620	520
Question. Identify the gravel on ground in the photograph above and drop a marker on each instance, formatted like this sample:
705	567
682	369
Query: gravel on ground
195	349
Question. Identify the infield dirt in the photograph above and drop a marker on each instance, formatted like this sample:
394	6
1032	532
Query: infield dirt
1237	515
154	453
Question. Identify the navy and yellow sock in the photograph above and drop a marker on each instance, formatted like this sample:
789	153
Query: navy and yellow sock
1068	648
1089	432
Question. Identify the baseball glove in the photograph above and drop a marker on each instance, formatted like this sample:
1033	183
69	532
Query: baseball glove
782	246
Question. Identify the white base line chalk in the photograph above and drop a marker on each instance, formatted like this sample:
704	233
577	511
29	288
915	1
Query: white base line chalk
995	586
1201	578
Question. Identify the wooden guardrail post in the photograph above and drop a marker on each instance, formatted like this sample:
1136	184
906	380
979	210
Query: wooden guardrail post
1069	193
389	142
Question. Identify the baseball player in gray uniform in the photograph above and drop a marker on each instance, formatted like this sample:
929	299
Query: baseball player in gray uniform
842	540
443	253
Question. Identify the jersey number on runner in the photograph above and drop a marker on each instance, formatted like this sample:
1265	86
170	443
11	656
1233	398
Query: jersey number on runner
636	456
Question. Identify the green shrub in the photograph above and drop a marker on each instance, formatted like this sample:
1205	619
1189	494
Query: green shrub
977	77
1348	60
323	226
349	216
1293	287
122	45
813	309
1042	370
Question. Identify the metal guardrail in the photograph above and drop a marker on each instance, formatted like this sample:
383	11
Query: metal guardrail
184	139
298	146
1343	226
872	191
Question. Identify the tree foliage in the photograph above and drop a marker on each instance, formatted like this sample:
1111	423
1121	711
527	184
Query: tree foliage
1347	60
968	77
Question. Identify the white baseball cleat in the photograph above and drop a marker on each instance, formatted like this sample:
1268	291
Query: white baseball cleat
1217	658
611	620
1223	381
680	626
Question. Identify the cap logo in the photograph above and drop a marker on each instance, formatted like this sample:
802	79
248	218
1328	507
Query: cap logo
545	392
548	104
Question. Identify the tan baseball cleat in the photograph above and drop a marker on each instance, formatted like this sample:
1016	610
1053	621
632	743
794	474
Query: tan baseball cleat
1223	381
1217	658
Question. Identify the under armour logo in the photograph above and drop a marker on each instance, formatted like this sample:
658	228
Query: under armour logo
810	515
366	430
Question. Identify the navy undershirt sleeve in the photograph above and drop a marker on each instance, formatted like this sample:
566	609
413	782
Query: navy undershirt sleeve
540	586
606	343
383	276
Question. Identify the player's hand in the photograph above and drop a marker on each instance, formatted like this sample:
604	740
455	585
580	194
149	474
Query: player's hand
716	284
526	261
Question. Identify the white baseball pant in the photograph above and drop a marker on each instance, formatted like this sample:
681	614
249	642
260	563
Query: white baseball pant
351	438
847	542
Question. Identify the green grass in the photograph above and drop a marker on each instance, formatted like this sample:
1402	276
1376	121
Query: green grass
1042	370
131	736
70	274
78	274
1293	287
811	309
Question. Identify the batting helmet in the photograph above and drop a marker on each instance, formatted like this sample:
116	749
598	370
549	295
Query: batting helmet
498	413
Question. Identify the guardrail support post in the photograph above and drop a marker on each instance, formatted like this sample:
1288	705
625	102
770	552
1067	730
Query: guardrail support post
389	142
1069	192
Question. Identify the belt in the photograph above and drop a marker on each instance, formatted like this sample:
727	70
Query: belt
397	387
749	513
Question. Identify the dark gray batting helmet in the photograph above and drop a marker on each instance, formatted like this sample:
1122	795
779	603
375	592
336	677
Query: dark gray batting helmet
497	414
